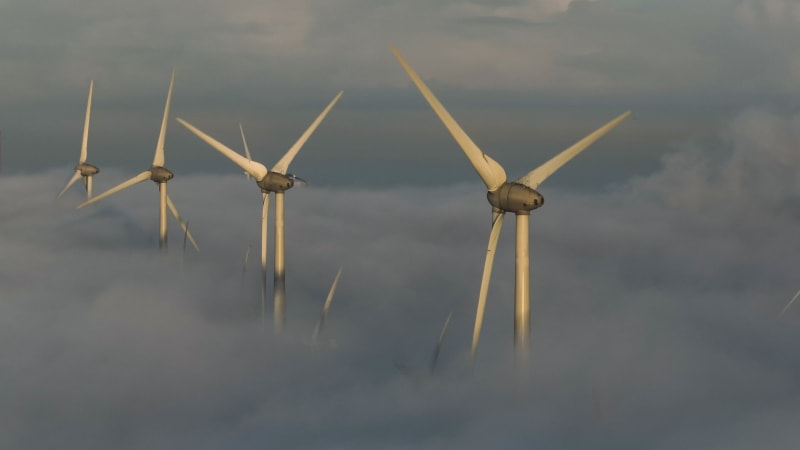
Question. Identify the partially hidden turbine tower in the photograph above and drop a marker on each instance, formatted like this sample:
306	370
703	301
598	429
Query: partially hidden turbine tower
83	169
160	175
278	181
519	197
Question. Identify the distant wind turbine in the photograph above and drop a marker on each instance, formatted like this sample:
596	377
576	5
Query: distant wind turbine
278	181
790	302
325	308
83	169
160	175
438	349
519	197
246	150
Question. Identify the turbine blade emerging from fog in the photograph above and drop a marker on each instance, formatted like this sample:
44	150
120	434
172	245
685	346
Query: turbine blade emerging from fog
535	177
326	307
85	142
184	224
246	258
438	349
497	225
256	169
490	171
144	176
71	181
790	302
158	159
283	164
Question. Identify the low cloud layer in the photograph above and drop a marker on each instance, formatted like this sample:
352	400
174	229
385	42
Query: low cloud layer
655	313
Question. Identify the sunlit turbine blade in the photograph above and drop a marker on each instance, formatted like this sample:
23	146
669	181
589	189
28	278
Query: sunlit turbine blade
256	169
85	142
283	164
489	170
184	224
158	159
497	225
790	302
246	149
326	306
535	177
144	176
438	348
70	183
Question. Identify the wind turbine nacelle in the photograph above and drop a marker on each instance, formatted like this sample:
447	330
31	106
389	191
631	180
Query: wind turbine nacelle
275	182
515	198
86	170
160	174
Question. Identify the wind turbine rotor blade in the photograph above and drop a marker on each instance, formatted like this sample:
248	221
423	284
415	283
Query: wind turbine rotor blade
246	149
297	180
497	225
490	171
71	181
283	164
790	302
85	142
183	223
438	348
244	141
535	177
144	176
324	315
158	159
256	169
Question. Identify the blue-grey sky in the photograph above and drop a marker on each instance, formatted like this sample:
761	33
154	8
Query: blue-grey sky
659	263
525	78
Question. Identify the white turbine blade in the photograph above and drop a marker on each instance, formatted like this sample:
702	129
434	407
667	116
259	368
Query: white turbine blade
246	149
283	164
244	141
490	171
158	159
497	225
790	302
535	177
70	183
85	143
326	306
438	348
144	176
256	169
183	223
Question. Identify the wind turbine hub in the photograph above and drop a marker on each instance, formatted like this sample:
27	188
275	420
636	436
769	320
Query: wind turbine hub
515	198
275	182
160	174
87	170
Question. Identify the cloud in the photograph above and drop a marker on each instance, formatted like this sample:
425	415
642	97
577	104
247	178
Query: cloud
654	313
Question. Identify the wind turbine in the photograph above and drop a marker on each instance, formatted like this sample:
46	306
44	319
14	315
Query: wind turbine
246	150
160	175
325	308
519	197
83	169
278	181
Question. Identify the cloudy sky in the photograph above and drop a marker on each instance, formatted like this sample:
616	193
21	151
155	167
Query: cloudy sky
659	263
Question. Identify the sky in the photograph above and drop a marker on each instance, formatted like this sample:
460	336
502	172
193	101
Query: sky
659	263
